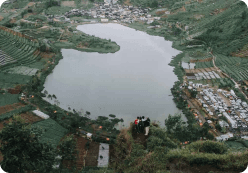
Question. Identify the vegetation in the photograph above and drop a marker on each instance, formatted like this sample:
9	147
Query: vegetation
219	31
28	153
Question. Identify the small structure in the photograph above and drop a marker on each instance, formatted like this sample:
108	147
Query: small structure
190	76
103	157
41	114
104	20
89	135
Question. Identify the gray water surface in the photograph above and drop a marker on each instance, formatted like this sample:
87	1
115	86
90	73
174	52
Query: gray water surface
135	81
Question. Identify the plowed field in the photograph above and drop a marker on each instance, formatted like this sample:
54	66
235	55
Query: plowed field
8	108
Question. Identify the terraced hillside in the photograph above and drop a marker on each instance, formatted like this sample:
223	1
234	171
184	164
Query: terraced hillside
16	49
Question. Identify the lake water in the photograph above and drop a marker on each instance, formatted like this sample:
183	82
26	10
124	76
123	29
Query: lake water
135	81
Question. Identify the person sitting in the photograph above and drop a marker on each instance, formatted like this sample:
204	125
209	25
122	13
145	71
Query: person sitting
136	122
147	124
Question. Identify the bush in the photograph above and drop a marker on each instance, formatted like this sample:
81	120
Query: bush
10	25
153	142
213	147
155	23
218	127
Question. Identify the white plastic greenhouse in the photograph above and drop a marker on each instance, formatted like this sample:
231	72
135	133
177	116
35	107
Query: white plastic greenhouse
41	114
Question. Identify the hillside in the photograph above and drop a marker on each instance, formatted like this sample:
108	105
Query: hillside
212	93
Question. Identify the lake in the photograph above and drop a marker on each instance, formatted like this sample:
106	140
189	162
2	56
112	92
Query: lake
135	81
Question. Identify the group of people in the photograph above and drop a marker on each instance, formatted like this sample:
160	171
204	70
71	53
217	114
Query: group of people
142	125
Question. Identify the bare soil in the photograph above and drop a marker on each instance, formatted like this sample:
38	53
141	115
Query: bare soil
27	116
8	108
13	20
84	158
68	4
30	117
82	46
188	2
197	16
127	2
218	11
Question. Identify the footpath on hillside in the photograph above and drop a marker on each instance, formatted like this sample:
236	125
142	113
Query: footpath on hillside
140	138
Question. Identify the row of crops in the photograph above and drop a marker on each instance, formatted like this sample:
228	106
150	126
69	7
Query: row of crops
53	132
9	80
206	64
16	112
21	50
235	67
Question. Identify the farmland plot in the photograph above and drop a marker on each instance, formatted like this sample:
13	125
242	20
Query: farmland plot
22	70
7	99
53	132
235	67
27	116
5	59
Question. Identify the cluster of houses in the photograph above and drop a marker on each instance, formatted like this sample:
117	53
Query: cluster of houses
236	111
119	13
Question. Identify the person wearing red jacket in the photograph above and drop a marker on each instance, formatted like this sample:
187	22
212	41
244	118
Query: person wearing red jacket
136	122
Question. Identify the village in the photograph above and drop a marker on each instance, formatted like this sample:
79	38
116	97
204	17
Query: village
218	106
111	11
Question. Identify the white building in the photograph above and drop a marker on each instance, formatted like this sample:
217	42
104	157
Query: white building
224	137
104	20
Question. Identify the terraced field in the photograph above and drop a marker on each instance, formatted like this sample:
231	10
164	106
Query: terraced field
16	49
235	67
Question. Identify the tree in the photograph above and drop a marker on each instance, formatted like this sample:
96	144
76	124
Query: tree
244	15
49	96
21	149
193	93
54	96
67	149
45	92
172	123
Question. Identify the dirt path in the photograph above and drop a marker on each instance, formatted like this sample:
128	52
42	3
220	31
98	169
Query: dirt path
127	2
139	137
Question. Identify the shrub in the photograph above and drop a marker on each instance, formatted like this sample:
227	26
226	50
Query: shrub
154	23
153	142
199	161
213	147
218	127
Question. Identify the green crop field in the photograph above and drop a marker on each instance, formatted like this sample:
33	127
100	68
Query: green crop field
7	99
234	144
9	80
235	67
206	64
16	112
53	132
